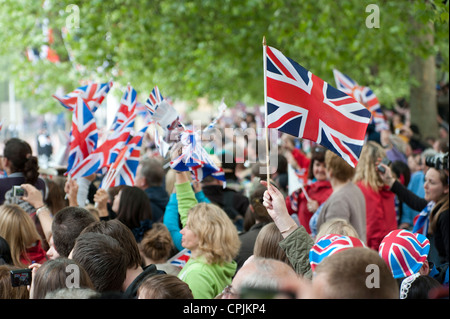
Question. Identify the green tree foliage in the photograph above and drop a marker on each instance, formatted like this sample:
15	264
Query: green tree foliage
213	48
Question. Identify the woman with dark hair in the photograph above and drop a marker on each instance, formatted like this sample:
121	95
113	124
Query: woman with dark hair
132	207
305	201
21	168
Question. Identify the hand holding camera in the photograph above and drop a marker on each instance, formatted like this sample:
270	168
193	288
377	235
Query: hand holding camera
385	172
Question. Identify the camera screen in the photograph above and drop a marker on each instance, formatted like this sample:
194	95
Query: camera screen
18	191
21	278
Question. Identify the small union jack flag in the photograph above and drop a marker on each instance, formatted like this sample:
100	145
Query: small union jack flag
181	258
404	252
126	162
303	105
330	244
162	113
363	95
83	136
93	94
194	158
119	133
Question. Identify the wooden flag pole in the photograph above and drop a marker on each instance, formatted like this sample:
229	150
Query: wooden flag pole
265	105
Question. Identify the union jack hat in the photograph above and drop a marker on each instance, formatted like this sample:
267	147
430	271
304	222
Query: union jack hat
330	244
404	252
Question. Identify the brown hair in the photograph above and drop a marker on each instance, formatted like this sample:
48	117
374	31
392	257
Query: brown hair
117	230
267	244
7	291
341	170
18	152
346	273
54	274
164	287
157	243
442	205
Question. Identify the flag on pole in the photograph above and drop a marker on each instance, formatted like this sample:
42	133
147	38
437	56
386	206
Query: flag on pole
93	94
83	135
122	170
363	95
303	105
119	133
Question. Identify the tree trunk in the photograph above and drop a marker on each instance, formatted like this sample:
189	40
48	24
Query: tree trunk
423	98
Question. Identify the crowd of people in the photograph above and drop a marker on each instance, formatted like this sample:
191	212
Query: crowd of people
248	238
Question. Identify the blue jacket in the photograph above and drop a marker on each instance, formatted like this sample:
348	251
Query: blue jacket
158	201
172	217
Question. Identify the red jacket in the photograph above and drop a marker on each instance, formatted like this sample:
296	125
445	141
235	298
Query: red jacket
381	217
34	253
296	203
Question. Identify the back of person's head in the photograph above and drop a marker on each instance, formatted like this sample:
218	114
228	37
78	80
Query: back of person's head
157	243
66	227
104	260
267	244
366	171
55	198
151	169
18	229
72	293
7	291
164	287
340	169
134	207
5	252
256	202
354	273
117	230
317	154
401	171
337	226
218	237
262	273
418	286
19	154
56	274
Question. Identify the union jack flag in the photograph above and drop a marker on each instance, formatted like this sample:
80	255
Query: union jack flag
126	162
330	244
363	95
181	258
303	105
404	252
119	133
93	94
194	158
127	112
83	136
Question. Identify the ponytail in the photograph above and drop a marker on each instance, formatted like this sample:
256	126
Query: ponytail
18	152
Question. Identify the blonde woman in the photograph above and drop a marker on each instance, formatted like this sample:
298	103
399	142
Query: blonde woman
338	226
211	237
18	229
381	217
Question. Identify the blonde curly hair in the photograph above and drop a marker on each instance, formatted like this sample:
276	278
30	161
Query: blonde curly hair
218	237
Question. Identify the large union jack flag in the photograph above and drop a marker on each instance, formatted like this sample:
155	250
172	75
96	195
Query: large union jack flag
363	95
301	104
119	133
83	135
330	244
93	94
404	252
